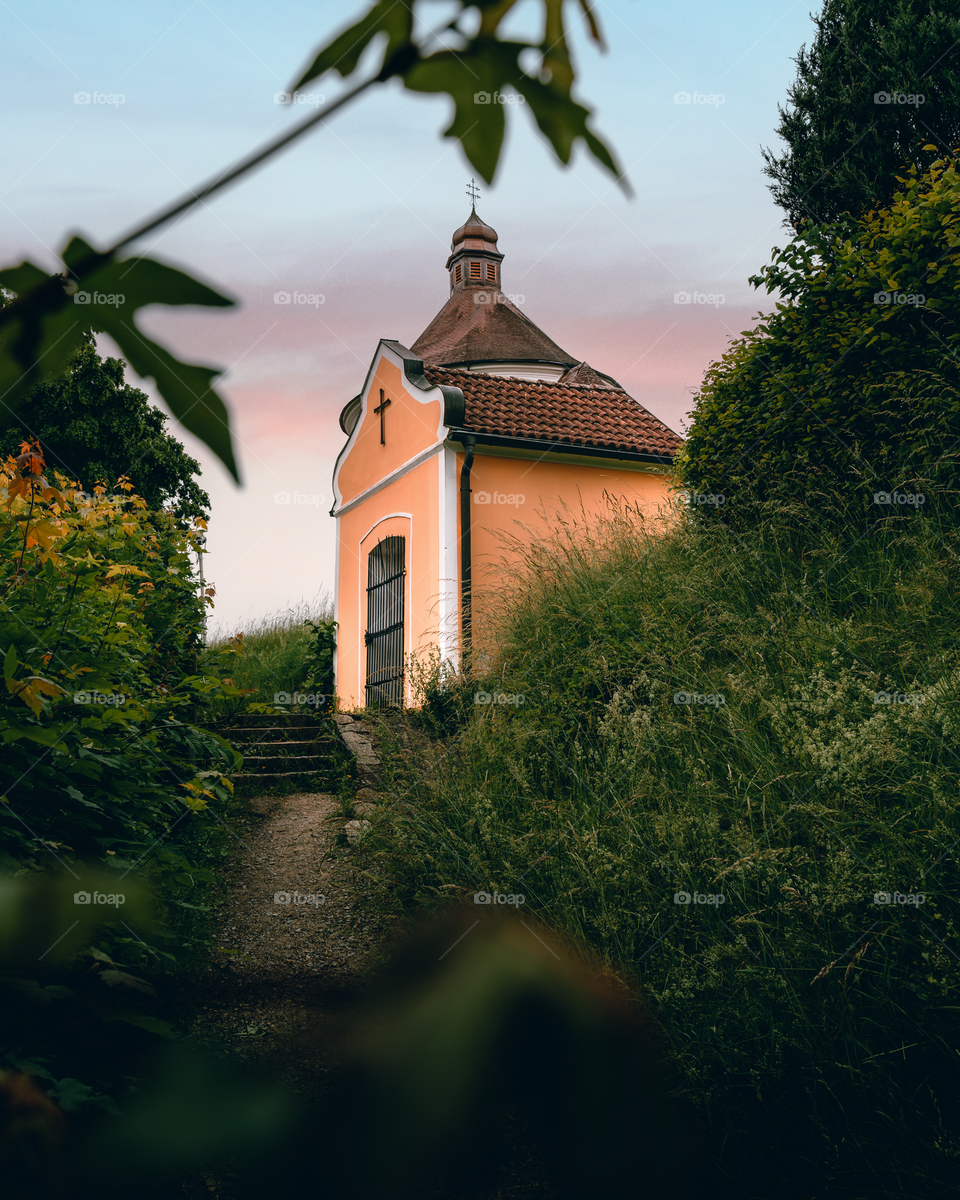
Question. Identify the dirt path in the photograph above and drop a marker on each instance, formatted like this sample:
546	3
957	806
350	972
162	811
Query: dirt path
283	972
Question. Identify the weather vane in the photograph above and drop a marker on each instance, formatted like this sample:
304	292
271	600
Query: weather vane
473	192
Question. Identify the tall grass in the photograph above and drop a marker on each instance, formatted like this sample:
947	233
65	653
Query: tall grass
704	714
275	648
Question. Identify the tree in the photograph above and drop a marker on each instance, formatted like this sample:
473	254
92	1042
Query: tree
851	387
94	427
880	81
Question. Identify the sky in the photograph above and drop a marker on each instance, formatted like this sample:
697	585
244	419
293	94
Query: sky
359	215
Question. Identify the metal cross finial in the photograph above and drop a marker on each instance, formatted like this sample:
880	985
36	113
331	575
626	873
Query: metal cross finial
473	192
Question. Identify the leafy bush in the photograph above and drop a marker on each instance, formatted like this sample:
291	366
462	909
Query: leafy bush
110	786
851	383
441	696
705	714
320	674
100	617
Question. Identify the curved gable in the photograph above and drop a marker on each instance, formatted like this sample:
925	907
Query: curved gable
413	422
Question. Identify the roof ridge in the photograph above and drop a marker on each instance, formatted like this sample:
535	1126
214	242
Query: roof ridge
550	383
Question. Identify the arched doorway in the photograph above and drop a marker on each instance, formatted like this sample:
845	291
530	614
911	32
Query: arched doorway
383	638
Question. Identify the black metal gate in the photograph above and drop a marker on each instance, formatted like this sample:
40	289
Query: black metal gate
384	635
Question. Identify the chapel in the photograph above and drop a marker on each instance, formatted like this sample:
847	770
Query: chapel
483	426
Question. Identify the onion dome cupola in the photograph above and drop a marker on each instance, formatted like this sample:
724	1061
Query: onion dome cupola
480	328
474	258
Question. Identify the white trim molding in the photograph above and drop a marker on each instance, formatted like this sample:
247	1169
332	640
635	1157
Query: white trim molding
394	475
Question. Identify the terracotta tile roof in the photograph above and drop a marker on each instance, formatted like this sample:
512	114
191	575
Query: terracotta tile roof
479	324
585	376
556	412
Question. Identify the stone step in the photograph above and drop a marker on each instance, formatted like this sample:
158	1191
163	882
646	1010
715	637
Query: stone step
266	778
278	760
253	735
309	760
280	749
265	754
276	737
259	720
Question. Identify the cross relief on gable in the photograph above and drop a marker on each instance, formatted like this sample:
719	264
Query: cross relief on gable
381	409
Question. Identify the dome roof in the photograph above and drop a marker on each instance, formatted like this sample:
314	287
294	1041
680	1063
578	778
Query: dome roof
464	331
473	227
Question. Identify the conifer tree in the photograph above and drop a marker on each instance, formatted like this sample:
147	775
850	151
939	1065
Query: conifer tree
880	81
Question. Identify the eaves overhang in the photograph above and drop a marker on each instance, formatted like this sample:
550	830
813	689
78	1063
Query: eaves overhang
535	446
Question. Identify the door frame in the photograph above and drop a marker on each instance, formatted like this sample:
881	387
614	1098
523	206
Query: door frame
399	524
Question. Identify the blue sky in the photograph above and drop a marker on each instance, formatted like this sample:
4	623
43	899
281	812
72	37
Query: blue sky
361	213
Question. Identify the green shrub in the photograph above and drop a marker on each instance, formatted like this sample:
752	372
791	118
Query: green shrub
834	390
100	616
812	1025
321	647
105	762
111	781
442	697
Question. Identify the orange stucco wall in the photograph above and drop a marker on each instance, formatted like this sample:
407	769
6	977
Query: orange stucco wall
533	493
410	425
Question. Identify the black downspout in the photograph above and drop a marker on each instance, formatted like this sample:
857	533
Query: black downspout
465	556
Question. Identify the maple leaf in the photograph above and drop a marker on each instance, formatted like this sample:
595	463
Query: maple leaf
43	533
19	488
30	460
197	795
117	569
31	689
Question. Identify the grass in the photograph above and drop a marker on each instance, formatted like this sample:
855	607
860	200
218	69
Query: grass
704	714
274	650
